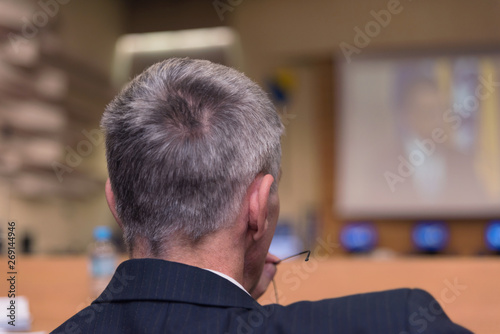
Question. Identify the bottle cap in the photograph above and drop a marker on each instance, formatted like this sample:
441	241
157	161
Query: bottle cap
102	233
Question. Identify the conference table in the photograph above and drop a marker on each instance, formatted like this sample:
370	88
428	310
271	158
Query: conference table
467	288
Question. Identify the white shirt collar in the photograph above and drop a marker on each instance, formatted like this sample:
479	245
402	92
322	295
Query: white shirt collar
229	278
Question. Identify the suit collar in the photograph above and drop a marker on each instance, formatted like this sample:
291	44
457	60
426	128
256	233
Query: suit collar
229	278
160	280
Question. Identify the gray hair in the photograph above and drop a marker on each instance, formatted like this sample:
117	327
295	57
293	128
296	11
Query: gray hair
184	140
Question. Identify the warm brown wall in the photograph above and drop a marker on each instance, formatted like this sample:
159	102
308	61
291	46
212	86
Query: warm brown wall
160	15
280	28
88	31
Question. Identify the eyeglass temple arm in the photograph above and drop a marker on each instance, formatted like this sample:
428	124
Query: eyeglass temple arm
289	257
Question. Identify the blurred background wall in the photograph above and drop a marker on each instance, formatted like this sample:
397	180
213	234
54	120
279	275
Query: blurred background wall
296	40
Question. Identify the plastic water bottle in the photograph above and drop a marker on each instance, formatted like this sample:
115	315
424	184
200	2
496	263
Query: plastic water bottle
103	260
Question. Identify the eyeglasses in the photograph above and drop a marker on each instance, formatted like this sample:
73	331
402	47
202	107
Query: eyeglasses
284	259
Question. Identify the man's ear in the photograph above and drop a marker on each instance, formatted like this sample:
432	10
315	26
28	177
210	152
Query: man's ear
110	198
258	205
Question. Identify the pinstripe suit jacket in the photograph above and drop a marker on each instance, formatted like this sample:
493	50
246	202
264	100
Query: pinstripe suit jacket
156	296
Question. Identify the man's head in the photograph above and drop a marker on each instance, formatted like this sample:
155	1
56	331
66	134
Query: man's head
184	142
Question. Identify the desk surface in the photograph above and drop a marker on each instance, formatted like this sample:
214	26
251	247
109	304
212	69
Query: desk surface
467	288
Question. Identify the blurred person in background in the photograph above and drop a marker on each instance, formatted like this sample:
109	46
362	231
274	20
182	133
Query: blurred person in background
193	151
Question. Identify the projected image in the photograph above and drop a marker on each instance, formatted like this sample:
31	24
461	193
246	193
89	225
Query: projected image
420	136
436	124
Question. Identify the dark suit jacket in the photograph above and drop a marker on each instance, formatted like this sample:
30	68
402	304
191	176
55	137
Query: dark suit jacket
156	296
